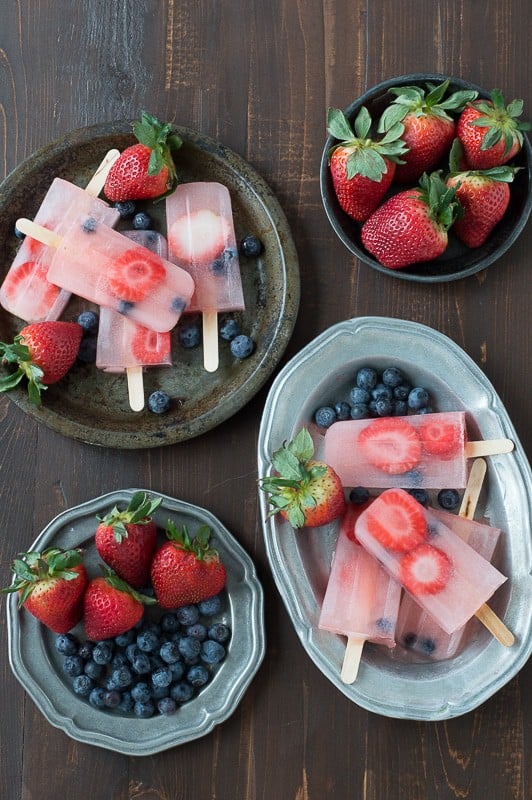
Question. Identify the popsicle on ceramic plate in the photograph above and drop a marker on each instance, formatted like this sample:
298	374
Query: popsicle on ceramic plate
423	450
106	268
361	600
201	239
445	576
26	291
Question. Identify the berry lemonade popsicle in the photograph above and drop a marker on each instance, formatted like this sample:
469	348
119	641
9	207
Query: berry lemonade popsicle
201	239
424	450
361	600
26	291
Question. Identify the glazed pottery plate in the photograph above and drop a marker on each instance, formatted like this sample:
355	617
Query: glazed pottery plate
37	665
91	405
390	683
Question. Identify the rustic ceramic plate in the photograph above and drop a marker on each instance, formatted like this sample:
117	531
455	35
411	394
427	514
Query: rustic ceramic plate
322	373
92	406
37	665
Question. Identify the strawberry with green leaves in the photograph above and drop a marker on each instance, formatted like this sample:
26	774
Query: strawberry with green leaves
362	168
491	132
412	226
126	540
306	492
111	606
51	586
429	127
145	170
186	570
43	352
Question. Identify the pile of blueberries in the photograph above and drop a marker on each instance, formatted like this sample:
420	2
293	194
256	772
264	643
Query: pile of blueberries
152	668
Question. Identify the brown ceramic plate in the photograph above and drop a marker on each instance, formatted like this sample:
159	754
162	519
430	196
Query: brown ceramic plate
92	406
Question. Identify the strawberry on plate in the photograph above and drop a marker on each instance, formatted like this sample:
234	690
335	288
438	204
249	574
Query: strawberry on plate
186	570
306	492
390	444
126	540
135	273
399	523
198	238
439	436
111	606
51	586
43	352
425	570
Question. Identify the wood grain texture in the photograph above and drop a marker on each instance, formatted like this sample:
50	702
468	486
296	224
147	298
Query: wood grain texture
259	76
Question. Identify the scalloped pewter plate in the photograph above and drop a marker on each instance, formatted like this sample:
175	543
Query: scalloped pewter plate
37	665
300	561
92	406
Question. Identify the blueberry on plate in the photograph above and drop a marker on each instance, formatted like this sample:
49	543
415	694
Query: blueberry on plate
142	221
212	652
366	378
66	644
126	208
159	402
242	346
325	416
229	329
210	606
189	335
251	246
449	499
418	398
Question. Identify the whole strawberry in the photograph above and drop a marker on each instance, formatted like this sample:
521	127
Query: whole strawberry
126	540
412	226
145	170
51	586
111	607
306	492
491	132
362	168
44	352
185	570
429	129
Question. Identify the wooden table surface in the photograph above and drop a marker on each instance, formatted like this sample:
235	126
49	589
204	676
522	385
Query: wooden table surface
259	76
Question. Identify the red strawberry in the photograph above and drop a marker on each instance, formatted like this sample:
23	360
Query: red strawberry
428	127
20	278
397	521
111	607
491	133
352	513
390	444
199	238
362	168
186	570
135	273
440	437
51	586
425	570
145	170
44	353
147	346
306	492
126	540
412	226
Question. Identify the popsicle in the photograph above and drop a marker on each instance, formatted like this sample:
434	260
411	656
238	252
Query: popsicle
26	291
106	268
201	239
423	450
361	600
444	574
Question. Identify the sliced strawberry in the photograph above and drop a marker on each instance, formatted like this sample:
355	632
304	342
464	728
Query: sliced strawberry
440	437
150	347
199	237
426	570
135	273
390	444
19	279
397	521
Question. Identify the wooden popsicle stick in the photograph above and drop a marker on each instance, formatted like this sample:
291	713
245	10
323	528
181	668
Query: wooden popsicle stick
210	341
135	388
473	488
38	232
495	625
97	182
490	447
352	656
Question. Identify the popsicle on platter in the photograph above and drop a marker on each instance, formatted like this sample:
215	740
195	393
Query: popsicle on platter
423	450
361	600
444	574
26	291
201	240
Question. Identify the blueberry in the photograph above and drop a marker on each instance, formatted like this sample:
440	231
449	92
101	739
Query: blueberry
385	625
85	650
197	631
189	648
400	408
162	677
97	697
342	410
178	305
178	670
141	664
93	670
229	329
242	346
125	306
359	411
383	407
219	632
144	710
381	392
325	416
169	622
188	615
66	644
132	651
402	391
124	639
414	476
181	692
73	665
366	378
449	499
82	685
409	640
127	703
359	495
102	653
220	265
121	677
428	646
159	402
166	706
89	321
148	641
126	208
112	698
210	606
359	396
251	246
198	675
189	335
141	692
212	652
142	221
418	398
87	350
420	495
392	376
89	225
169	652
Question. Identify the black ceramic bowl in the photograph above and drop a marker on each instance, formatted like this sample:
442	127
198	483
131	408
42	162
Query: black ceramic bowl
458	261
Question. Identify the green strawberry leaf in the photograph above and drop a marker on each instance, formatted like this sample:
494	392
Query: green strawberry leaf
302	445
338	125
363	123
366	162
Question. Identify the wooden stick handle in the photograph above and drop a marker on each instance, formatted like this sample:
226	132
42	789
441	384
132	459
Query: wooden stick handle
490	447
97	182
351	663
135	388
42	234
473	488
495	625
210	340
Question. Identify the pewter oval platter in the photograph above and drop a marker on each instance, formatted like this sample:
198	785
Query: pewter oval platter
92	406
322	373
37	665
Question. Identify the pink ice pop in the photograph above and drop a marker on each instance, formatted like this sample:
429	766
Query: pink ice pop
361	600
445	575
426	450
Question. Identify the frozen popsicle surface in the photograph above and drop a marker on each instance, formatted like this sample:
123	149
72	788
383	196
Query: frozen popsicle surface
444	574
201	239
122	344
